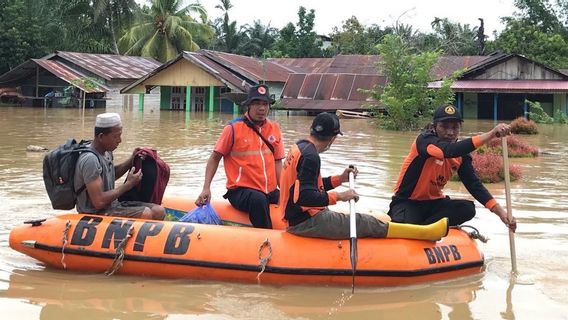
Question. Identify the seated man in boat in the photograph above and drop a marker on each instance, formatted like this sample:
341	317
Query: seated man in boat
252	152
97	172
434	157
304	195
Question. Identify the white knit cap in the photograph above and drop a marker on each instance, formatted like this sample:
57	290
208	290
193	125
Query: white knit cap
108	120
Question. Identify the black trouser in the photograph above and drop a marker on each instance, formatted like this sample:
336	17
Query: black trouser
430	211
254	202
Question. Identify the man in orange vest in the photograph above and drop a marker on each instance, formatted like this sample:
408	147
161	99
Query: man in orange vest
305	195
252	152
435	156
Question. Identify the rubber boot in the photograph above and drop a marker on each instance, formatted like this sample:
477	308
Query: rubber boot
433	232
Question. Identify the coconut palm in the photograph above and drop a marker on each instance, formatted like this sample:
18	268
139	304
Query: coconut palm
165	30
257	39
115	15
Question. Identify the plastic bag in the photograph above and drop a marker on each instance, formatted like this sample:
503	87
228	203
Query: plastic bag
202	214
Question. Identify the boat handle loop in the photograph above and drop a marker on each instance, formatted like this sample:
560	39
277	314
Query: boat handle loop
65	235
263	260
474	234
119	255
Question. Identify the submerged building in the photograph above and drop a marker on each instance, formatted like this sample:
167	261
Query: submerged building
66	79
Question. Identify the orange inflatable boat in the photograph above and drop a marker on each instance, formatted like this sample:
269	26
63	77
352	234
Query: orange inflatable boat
175	249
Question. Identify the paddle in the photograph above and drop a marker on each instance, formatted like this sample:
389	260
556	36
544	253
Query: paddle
352	230
508	199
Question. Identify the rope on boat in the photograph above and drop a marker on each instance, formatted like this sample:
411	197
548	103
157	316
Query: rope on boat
65	234
474	234
119	256
263	260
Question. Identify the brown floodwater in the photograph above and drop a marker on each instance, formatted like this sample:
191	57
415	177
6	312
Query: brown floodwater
28	290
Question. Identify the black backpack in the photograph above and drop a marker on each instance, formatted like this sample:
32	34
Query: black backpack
59	173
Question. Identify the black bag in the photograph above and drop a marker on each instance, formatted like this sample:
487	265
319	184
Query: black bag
59	173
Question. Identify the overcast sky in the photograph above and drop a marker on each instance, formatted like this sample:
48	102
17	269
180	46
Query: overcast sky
330	13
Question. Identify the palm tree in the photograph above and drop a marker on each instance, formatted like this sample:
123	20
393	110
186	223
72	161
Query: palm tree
229	37
455	38
257	39
115	15
165	30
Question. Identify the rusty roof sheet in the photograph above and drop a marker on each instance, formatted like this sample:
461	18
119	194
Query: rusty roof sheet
331	86
110	66
68	74
359	64
305	65
446	65
218	71
231	79
253	68
323	105
506	85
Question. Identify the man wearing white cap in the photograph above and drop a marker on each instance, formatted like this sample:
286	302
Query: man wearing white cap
97	172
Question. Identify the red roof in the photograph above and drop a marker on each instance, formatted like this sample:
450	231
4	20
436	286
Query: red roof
328	91
255	69
110	66
506	85
67	74
446	65
305	65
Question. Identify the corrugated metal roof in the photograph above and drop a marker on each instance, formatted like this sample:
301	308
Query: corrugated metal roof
447	65
222	74
506	85
322	105
67	74
330	86
110	66
305	65
359	64
253	68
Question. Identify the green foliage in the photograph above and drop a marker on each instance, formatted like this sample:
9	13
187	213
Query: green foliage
550	49
560	117
537	114
355	38
300	41
406	96
166	30
257	40
85	83
20	35
454	38
523	126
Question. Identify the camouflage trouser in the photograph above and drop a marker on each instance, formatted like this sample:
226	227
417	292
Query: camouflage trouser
329	224
130	209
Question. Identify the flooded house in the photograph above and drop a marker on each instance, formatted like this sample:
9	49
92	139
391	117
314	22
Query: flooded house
74	79
496	86
208	81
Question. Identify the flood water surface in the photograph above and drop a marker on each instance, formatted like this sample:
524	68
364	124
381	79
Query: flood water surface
28	290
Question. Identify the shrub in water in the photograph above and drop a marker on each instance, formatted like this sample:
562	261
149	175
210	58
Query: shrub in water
523	126
517	148
489	167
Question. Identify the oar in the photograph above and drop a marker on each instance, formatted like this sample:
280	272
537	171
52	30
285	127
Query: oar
352	230
508	199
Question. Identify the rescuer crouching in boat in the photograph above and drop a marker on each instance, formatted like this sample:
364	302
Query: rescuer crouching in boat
304	195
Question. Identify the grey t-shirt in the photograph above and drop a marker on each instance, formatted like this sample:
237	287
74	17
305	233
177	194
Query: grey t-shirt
88	168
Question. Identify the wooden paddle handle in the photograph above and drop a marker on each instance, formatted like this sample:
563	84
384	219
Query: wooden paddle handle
507	178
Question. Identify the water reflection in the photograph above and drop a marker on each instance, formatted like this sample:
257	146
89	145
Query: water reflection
71	295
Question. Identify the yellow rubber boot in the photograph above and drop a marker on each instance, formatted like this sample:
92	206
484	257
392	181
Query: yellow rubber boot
433	232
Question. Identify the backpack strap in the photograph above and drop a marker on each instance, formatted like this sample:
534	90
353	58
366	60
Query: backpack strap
80	190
